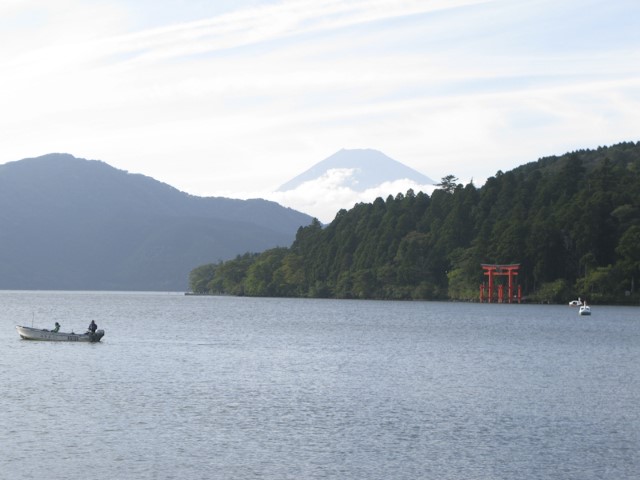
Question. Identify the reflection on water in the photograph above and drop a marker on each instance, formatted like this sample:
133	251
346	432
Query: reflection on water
219	387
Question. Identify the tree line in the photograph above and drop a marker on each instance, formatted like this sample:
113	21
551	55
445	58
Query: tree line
572	223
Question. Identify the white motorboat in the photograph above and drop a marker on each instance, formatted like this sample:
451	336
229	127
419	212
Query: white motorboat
584	310
29	333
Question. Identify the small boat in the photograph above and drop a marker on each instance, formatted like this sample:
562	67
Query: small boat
575	303
584	309
28	333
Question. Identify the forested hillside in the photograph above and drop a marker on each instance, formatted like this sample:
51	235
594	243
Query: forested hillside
572	223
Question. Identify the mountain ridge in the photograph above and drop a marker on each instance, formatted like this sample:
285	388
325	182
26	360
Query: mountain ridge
74	224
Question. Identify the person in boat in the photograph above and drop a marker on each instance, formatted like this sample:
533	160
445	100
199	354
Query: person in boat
93	326
56	328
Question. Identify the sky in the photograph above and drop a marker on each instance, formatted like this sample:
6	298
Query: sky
235	98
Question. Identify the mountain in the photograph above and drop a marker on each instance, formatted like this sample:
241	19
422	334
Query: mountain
73	224
368	169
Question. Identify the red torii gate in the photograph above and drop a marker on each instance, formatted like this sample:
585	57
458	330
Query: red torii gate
500	270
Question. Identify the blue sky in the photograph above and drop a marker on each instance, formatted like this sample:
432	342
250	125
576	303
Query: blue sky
234	98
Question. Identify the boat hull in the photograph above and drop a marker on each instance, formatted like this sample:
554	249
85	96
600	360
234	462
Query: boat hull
28	333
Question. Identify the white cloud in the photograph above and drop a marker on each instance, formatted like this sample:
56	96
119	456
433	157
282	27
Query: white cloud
325	196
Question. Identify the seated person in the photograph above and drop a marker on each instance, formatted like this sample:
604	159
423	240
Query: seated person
56	328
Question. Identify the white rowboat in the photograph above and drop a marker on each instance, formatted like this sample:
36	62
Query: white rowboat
28	333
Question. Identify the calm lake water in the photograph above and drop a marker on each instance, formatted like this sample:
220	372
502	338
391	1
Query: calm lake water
187	387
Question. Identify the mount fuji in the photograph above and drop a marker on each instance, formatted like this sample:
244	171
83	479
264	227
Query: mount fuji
358	170
346	178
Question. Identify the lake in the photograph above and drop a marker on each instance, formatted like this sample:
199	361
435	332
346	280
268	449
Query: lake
199	387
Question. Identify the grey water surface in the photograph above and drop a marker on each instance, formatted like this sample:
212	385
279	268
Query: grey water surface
191	387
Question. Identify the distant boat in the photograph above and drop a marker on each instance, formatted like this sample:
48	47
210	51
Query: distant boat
575	303
584	309
28	333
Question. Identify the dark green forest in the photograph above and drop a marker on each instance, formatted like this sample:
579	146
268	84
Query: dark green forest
572	222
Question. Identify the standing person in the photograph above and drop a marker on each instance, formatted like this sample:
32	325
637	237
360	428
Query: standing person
93	327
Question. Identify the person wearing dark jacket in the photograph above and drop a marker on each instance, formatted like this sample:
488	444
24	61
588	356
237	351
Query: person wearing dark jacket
93	327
